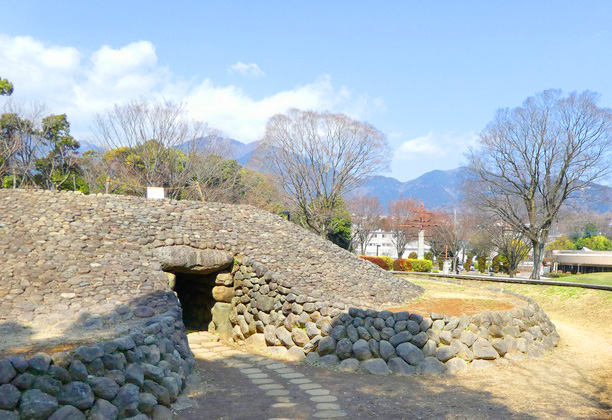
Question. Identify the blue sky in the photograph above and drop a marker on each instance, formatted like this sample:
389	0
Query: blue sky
428	74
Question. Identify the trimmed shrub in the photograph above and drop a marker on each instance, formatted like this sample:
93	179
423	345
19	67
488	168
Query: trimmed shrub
482	263
389	262
469	261
419	266
558	275
386	263
399	265
413	256
496	264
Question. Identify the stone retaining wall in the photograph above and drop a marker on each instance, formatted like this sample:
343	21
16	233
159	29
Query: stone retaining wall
94	269
404	343
137	374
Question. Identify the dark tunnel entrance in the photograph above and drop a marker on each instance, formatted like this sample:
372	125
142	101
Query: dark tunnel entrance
205	299
195	292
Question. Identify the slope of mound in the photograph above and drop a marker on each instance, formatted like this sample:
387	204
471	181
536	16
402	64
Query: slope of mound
68	256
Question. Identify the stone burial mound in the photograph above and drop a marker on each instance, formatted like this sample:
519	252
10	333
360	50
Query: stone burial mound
97	293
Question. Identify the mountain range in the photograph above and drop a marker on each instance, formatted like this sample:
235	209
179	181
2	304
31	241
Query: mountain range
437	189
224	147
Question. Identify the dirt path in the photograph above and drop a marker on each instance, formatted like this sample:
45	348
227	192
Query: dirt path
574	381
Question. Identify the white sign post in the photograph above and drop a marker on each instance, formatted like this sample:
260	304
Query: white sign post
155	193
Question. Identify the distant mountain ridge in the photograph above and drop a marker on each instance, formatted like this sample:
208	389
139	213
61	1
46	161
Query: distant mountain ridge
438	189
223	146
442	190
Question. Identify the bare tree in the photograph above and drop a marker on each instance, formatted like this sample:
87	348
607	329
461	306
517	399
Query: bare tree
510	243
450	234
150	142
400	212
10	141
534	157
21	140
318	157
365	219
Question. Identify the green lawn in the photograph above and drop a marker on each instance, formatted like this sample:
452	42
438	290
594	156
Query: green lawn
594	278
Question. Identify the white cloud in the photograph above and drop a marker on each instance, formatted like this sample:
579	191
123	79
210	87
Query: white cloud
433	144
248	70
80	85
434	150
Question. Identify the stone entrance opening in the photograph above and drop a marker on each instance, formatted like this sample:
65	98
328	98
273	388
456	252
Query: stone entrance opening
195	294
204	284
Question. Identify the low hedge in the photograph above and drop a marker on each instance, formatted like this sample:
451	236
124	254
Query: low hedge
399	265
386	263
557	275
420	266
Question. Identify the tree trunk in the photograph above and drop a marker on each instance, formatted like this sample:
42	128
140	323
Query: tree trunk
538	247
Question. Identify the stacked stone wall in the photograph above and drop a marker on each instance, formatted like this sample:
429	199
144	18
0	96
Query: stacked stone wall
88	272
137	374
403	343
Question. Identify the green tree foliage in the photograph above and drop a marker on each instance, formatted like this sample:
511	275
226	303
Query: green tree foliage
60	164
469	261
340	232
511	254
10	143
482	263
429	256
597	243
496	264
563	243
590	230
6	87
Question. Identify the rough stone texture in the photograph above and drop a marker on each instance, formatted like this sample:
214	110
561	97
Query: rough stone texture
441	345
398	366
97	250
183	258
410	353
35	404
9	397
456	365
362	350
68	412
483	349
375	366
431	366
349	365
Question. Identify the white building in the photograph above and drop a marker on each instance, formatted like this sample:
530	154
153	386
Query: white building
381	244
